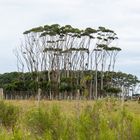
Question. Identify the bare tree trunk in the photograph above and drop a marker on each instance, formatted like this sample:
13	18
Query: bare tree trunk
96	76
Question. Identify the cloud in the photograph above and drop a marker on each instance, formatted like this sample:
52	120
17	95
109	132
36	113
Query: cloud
120	15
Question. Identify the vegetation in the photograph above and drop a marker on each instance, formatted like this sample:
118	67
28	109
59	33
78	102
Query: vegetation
66	120
64	62
52	53
8	115
21	85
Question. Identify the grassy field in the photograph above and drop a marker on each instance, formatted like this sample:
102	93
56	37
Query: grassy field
105	119
68	107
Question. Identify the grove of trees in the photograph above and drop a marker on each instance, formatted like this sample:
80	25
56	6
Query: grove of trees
63	62
19	85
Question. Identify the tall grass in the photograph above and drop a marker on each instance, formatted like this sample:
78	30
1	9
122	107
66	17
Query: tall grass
102	120
8	115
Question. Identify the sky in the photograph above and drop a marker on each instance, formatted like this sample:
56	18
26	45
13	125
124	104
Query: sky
122	16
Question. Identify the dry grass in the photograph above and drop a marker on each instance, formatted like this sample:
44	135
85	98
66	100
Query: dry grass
133	107
102	119
70	107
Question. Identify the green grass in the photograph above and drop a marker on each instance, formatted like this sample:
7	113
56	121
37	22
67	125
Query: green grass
104	119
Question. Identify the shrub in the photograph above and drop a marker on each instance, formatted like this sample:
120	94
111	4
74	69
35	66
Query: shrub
8	114
46	123
38	120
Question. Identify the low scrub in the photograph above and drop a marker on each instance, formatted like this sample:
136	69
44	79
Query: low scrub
102	120
9	114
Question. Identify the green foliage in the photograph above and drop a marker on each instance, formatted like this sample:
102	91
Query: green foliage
64	87
38	120
102	120
89	120
14	82
67	84
112	90
8	115
45	123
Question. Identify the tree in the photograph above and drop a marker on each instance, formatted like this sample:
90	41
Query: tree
66	52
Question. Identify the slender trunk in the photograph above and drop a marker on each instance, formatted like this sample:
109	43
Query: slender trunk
96	76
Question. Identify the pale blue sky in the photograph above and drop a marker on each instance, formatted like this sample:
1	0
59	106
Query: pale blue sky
122	16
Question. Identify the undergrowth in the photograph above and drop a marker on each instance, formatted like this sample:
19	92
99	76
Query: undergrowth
102	120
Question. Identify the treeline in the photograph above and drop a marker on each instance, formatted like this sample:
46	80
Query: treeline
64	62
70	59
19	85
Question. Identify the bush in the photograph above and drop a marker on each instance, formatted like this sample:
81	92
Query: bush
8	114
47	123
38	120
